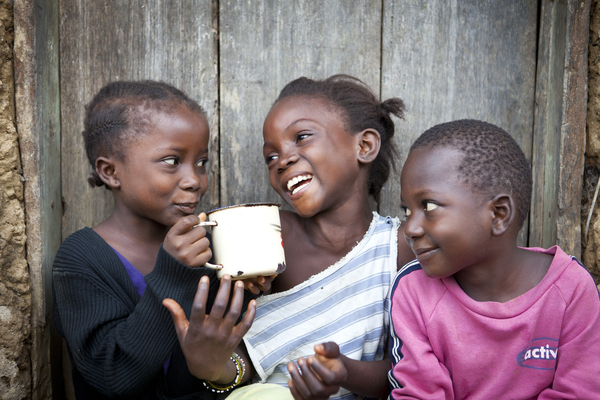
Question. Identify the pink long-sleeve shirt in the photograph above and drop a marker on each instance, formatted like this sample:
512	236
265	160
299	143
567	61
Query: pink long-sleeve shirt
544	344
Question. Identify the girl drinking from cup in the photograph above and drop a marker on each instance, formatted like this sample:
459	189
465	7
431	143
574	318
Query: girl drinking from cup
322	330
148	143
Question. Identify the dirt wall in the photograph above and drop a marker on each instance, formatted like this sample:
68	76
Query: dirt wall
590	209
15	297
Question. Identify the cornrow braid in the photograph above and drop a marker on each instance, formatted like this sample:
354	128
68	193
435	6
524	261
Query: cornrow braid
361	110
120	111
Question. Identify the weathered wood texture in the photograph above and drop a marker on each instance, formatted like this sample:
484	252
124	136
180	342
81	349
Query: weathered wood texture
447	60
38	123
102	41
455	59
263	46
559	134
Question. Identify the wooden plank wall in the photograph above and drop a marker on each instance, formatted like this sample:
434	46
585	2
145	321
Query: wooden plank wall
102	41
459	59
447	60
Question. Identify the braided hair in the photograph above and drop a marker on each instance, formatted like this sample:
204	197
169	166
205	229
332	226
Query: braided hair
119	113
360	110
492	160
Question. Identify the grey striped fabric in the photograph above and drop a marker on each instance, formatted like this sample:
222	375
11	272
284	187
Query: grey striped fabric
345	304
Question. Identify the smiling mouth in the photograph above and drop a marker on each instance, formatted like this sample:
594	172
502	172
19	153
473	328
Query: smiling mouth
424	254
298	183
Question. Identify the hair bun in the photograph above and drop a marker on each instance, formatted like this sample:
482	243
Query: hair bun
94	180
393	106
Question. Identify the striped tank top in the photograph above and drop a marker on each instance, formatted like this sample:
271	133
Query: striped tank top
346	304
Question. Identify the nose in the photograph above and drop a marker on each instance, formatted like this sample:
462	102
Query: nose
413	227
287	159
191	179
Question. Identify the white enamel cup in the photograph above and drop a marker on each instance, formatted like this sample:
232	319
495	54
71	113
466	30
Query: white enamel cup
246	240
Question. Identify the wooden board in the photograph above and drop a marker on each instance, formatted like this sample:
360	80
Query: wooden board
263	46
38	123
560	122
455	59
102	41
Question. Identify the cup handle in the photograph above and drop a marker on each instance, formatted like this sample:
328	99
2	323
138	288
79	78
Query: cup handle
216	267
207	223
209	265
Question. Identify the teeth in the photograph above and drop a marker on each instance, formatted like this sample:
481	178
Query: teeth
300	187
295	180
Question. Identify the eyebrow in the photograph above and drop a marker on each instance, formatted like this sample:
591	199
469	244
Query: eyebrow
298	121
290	126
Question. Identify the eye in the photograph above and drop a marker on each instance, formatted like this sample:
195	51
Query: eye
270	158
430	206
405	213
171	161
301	136
202	163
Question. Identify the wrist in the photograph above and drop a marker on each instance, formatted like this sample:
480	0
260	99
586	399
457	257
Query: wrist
228	375
240	370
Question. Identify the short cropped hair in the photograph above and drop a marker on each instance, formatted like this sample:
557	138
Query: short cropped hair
493	161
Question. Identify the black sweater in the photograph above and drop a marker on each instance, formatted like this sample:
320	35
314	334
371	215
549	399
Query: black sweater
118	342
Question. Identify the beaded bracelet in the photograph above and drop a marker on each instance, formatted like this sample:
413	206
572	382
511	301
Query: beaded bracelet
240	371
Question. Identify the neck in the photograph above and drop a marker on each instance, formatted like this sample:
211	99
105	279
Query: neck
505	277
338	228
125	228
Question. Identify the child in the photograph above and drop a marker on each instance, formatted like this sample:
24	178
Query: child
328	146
476	316
148	144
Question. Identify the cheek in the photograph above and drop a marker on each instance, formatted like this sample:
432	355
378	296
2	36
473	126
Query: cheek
203	184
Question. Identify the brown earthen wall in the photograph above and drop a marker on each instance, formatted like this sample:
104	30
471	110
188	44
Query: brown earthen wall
591	199
15	296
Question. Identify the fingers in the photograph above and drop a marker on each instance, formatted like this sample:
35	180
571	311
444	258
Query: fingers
326	376
295	393
179	319
259	284
221	300
244	326
328	349
297	385
188	244
252	285
199	305
185	224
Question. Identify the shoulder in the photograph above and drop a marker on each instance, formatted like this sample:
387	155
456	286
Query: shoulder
82	246
569	276
573	277
410	280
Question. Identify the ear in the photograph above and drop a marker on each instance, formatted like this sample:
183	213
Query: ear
369	143
504	213
105	168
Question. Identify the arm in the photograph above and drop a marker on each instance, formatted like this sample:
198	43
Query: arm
118	341
577	366
417	373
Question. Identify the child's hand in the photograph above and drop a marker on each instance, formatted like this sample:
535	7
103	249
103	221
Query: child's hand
322	374
259	284
187	244
209	340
